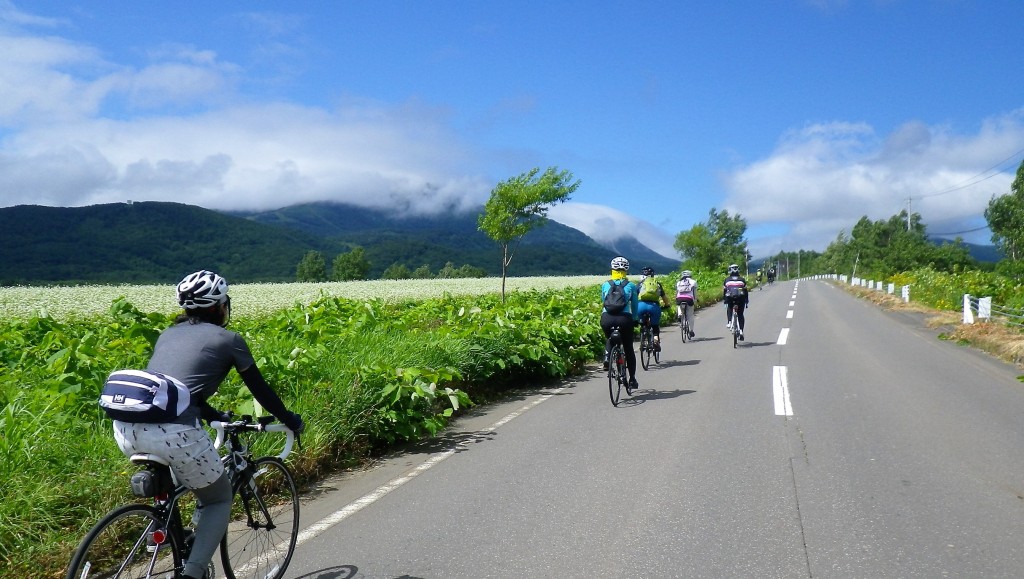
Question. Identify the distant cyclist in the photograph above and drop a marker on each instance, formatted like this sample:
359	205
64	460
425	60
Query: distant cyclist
760	277
652	295
734	292
686	298
771	275
624	318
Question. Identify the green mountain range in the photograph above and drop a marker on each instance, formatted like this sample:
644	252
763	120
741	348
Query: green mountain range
154	242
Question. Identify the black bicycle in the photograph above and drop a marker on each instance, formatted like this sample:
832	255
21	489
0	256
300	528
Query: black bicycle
618	378
149	541
648	348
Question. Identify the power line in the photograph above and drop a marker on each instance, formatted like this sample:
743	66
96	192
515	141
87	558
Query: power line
959	232
971	181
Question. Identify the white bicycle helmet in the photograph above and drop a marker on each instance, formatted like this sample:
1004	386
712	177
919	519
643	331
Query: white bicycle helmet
620	264
734	268
202	289
687	273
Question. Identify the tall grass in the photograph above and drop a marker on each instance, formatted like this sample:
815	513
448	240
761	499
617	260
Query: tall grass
364	374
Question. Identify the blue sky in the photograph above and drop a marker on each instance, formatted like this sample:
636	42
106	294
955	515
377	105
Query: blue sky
800	115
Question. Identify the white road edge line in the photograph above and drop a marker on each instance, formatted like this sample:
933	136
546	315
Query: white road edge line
780	388
368	499
783	336
789	315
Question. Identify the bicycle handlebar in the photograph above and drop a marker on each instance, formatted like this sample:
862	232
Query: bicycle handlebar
221	427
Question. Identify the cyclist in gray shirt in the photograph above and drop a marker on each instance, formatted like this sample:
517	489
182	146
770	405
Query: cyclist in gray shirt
199	351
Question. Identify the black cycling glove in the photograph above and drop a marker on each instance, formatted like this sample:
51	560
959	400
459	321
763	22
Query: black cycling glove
294	422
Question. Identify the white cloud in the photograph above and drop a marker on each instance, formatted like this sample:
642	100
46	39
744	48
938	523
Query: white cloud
822	179
81	131
604	224
246	157
11	16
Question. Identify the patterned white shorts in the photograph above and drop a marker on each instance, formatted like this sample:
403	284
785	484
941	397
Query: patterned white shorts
188	448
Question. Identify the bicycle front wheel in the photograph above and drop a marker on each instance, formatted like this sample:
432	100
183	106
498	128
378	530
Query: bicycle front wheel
614	390
122	545
261	537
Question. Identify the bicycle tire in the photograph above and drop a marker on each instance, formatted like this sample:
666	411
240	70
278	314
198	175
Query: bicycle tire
623	379
684	330
117	547
260	542
657	353
735	326
614	385
646	347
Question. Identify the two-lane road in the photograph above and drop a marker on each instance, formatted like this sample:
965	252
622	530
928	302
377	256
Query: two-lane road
836	441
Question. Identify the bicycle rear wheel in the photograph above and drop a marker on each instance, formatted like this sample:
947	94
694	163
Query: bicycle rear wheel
614	386
624	376
735	326
120	545
646	348
261	538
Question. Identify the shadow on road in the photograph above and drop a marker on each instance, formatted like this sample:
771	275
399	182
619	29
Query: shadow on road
342	572
673	364
709	339
661	394
339	572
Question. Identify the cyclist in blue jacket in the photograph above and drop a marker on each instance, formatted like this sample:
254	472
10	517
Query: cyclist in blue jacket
625	319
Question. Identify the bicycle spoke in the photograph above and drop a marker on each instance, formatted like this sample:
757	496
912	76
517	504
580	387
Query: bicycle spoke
120	546
260	544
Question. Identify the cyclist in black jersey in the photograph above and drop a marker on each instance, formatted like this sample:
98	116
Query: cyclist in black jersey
199	351
735	292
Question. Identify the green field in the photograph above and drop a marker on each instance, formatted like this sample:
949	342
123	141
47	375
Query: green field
422	351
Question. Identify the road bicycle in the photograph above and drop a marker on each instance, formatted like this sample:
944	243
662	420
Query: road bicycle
149	541
618	378
684	323
734	324
648	348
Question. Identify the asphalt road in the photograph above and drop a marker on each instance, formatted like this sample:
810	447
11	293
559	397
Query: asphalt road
838	440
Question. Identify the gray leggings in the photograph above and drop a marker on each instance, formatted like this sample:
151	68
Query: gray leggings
214	509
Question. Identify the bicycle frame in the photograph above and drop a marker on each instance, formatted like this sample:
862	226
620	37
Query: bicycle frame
159	540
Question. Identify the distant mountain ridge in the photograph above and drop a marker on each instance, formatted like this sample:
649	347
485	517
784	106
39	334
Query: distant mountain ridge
985	253
562	248
153	242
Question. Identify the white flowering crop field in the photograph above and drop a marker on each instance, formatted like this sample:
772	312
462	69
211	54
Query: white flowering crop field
63	302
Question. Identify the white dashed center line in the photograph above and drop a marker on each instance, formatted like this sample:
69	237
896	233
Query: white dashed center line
780	388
